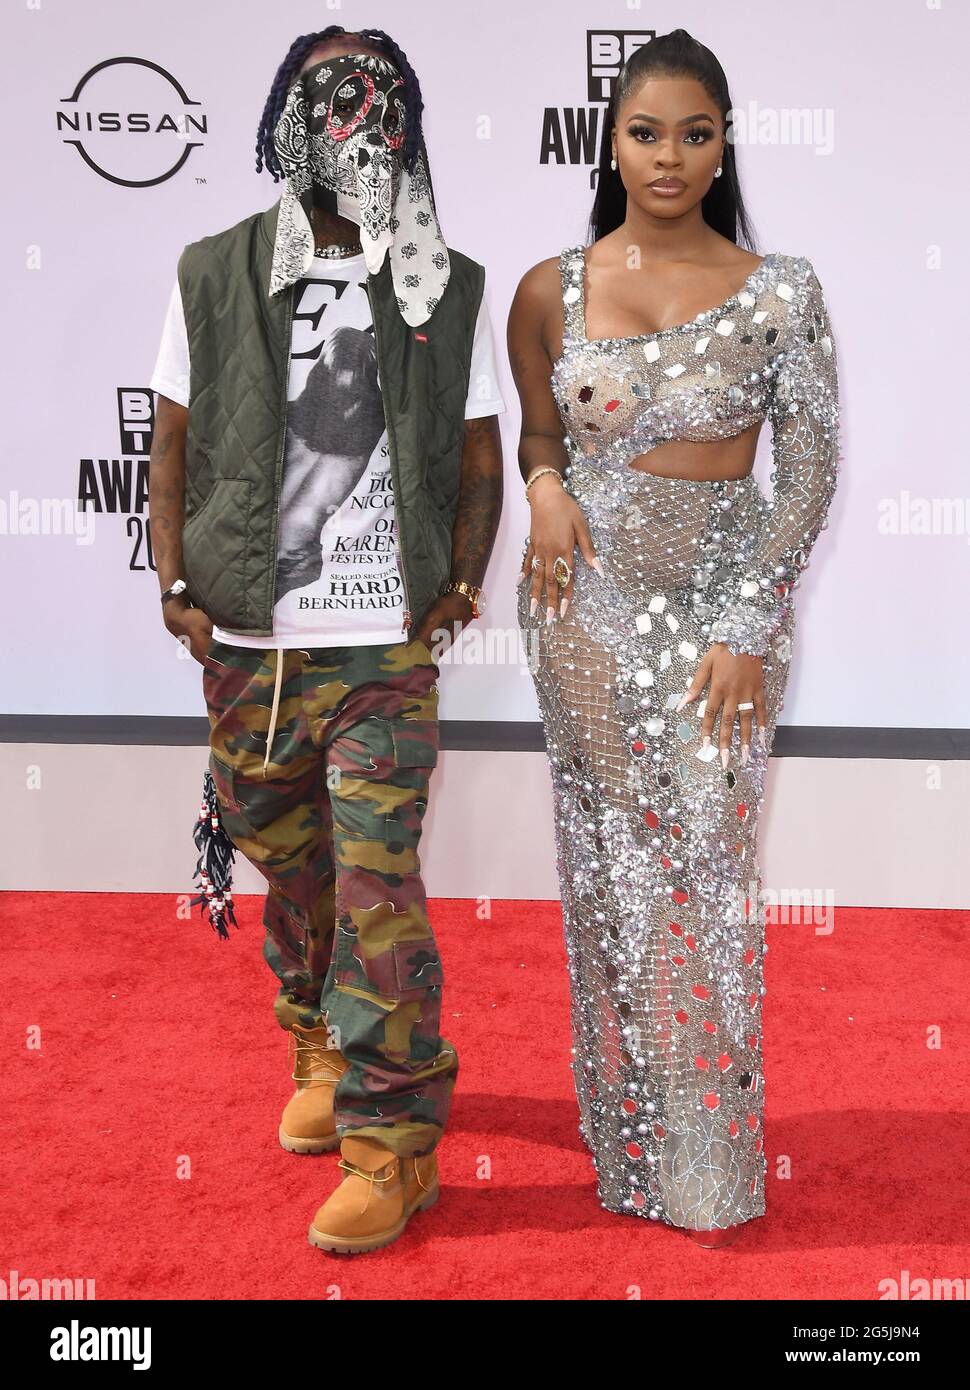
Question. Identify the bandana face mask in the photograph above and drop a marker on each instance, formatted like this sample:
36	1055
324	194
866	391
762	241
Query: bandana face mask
339	141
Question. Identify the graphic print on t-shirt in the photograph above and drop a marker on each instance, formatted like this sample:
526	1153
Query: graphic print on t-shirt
337	568
334	426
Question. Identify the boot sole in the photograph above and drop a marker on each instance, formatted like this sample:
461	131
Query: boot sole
295	1145
340	1245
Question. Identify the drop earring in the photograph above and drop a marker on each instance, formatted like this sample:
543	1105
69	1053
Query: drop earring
717	172
613	164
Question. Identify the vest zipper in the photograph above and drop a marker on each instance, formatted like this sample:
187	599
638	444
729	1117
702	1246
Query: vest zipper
395	474
278	481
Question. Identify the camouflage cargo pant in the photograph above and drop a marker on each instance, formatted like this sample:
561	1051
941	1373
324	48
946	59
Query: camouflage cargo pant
333	822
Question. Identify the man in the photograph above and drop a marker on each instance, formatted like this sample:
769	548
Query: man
325	487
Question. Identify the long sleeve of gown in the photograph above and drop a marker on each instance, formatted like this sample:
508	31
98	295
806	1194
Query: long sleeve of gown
804	415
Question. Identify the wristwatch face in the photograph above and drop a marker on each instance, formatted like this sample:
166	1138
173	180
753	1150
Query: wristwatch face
473	595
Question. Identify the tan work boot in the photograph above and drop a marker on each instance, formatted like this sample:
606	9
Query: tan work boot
372	1205
308	1125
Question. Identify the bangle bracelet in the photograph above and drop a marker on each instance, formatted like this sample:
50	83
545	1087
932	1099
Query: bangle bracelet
538	474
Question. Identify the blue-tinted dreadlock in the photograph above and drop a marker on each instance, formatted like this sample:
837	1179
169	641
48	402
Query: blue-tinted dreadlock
290	67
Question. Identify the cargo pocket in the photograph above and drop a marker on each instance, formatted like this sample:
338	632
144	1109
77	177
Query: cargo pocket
397	973
418	967
415	742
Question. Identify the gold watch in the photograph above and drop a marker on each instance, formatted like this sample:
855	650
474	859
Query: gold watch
474	596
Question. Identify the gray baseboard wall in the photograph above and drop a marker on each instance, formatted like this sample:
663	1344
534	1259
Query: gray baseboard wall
493	736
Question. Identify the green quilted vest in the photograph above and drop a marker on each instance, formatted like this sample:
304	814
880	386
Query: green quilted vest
239	344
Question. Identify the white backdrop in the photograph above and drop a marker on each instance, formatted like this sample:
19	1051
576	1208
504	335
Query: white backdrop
866	186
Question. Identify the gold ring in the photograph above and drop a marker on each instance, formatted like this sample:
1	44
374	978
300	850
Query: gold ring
562	572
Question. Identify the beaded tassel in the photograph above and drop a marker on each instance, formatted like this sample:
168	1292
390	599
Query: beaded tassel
213	871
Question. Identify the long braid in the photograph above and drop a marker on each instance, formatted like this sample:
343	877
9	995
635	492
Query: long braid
290	67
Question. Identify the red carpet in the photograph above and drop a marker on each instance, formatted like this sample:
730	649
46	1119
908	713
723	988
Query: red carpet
160	1052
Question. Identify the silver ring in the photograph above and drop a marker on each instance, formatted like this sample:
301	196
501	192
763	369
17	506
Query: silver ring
537	563
746	704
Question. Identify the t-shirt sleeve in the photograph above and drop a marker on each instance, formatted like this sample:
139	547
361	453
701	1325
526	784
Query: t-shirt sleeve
171	375
484	396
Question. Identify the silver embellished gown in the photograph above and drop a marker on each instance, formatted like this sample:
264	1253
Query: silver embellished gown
656	843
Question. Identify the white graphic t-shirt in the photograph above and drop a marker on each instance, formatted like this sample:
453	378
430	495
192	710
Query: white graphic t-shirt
337	581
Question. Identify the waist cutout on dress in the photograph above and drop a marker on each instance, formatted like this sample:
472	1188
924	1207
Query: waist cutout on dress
658	530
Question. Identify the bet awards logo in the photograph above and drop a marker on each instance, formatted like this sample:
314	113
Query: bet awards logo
132	122
120	485
571	134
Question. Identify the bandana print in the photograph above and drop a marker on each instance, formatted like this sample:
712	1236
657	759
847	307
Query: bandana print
342	127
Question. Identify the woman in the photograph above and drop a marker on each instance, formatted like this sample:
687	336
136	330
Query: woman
667	638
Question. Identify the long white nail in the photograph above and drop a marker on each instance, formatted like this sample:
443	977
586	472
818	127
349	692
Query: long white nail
550	615
597	566
562	607
725	757
682	704
533	608
745	752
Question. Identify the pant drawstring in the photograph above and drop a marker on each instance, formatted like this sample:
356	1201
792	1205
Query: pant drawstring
276	707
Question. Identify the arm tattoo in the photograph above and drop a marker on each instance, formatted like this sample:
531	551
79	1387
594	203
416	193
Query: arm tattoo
479	501
166	504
